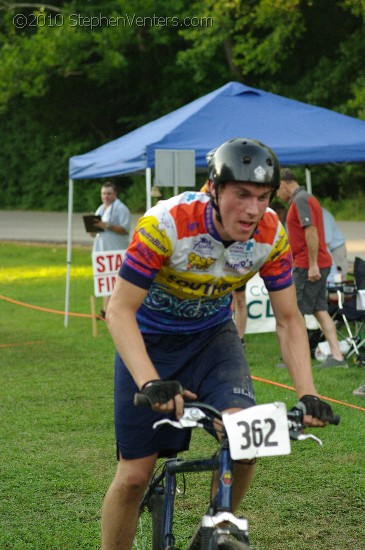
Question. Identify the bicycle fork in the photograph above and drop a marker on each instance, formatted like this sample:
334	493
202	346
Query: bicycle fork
220	521
173	467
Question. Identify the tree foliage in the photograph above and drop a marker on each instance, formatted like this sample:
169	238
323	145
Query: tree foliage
74	75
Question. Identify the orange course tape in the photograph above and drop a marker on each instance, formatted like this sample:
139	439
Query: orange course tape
321	396
90	316
47	310
20	344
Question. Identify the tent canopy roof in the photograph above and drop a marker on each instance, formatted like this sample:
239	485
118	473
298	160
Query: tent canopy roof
298	133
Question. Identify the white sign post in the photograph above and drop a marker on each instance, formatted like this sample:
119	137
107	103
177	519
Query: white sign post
106	266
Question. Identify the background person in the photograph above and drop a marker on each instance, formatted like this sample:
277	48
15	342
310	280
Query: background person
280	209
187	255
311	259
115	222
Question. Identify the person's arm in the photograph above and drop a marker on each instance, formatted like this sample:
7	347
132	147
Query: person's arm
120	222
293	343
122	323
312	241
123	327
113	227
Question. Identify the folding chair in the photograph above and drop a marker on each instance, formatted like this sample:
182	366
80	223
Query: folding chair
349	312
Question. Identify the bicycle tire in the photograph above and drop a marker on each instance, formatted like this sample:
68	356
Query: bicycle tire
221	543
149	529
232	545
156	510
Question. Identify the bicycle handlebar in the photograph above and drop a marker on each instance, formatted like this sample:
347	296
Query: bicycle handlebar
295	416
141	400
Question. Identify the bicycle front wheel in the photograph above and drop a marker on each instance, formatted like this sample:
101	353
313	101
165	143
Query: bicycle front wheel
156	509
232	545
149	530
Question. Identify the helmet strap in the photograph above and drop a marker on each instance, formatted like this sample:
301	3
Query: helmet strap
214	203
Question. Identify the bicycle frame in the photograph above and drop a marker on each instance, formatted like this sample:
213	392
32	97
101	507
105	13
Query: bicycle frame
219	518
220	509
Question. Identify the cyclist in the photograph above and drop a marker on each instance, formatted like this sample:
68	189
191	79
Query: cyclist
171	322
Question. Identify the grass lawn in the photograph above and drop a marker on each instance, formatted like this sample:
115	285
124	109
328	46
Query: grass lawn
57	435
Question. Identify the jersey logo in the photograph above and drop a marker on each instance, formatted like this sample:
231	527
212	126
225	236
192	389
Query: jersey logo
198	262
203	245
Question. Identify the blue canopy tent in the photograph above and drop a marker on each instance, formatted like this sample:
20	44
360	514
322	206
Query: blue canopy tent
297	132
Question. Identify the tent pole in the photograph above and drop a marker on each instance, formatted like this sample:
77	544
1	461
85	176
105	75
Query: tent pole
148	188
69	249
308	180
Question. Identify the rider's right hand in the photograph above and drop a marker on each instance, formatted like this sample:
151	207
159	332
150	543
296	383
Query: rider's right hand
161	391
166	396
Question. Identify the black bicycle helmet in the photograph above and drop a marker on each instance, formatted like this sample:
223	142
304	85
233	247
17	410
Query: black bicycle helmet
243	159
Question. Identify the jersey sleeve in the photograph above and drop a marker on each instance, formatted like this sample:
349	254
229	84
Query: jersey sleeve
304	210
150	248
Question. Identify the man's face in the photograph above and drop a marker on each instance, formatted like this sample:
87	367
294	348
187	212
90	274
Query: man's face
241	206
282	192
107	195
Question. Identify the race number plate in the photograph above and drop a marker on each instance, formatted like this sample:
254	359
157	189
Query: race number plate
258	431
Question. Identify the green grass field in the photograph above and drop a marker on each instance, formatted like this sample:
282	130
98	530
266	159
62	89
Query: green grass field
57	435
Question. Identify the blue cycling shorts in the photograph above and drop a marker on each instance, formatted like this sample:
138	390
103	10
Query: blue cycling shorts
210	363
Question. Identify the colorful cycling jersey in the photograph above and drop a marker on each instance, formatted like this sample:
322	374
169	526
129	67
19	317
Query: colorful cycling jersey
178	256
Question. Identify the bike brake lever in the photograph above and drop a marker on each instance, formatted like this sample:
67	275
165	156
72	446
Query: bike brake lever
181	424
188	420
301	437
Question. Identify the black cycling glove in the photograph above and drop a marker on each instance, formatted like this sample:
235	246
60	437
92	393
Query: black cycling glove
313	406
161	391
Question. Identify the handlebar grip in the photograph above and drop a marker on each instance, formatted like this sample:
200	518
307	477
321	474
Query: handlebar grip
141	400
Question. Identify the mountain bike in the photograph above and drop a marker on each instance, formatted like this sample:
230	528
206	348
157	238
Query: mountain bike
263	430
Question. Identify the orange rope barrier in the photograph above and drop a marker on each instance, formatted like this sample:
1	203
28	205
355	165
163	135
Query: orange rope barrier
321	396
21	344
47	310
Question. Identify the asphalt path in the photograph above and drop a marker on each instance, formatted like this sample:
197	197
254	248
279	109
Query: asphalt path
51	227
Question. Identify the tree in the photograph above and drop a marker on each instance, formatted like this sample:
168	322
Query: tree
74	75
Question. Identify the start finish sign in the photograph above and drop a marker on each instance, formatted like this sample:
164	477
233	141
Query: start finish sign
105	268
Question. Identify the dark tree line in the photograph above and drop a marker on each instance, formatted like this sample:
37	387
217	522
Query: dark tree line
75	75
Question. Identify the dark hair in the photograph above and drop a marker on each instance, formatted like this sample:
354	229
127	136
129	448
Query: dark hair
287	175
112	185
